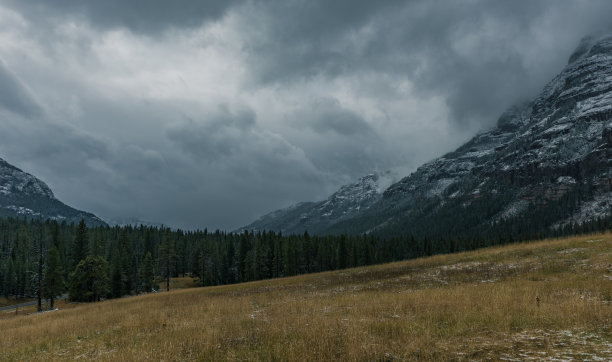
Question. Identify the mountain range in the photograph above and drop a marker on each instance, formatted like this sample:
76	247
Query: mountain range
546	164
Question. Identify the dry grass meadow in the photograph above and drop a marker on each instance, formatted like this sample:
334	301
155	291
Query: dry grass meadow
542	300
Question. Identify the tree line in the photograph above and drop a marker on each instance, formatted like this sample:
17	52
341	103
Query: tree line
46	259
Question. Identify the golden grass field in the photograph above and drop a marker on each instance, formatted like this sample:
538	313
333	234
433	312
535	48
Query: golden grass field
480	305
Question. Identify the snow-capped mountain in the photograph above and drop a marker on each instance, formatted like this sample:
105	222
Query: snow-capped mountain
345	203
23	195
548	159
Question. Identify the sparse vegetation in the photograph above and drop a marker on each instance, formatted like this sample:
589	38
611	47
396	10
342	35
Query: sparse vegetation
471	305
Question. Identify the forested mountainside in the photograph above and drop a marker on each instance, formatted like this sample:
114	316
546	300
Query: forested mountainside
545	165
23	195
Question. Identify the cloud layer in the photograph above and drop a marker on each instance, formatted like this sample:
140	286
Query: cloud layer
211	113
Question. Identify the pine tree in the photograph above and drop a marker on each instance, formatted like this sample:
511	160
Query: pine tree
10	278
147	274
243	249
80	245
116	276
40	268
53	277
97	245
342	251
167	256
89	281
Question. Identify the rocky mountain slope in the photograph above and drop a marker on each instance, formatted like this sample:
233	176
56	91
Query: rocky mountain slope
23	195
316	217
545	165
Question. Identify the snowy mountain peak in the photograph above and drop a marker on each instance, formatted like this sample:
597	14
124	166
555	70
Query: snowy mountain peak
23	195
348	201
14	180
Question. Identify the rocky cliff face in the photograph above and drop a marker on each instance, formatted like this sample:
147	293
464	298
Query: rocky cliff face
23	195
554	152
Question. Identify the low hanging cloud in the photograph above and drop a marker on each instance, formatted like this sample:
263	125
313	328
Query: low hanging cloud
211	113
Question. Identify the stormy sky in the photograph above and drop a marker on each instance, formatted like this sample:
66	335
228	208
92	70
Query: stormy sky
211	113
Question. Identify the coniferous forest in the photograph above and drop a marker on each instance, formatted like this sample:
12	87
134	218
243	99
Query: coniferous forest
49	259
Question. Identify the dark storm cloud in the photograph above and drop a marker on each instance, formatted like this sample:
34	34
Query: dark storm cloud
217	136
211	113
143	16
464	50
337	139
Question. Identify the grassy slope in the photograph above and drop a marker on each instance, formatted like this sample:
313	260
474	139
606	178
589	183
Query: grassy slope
477	305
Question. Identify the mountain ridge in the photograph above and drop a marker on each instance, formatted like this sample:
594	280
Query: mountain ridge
24	195
313	216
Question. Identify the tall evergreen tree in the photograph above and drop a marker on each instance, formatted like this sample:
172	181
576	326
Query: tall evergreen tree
116	276
40	270
342	252
97	244
89	280
54	276
147	273
10	278
80	245
167	256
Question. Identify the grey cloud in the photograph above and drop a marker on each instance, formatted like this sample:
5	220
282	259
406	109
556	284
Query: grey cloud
142	16
327	115
337	140
69	142
60	147
216	136
322	92
301	39
421	41
15	96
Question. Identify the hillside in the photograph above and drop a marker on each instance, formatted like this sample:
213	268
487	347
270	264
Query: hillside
23	195
545	165
540	300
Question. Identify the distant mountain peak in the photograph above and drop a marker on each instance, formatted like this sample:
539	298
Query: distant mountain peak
14	180
349	200
24	195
